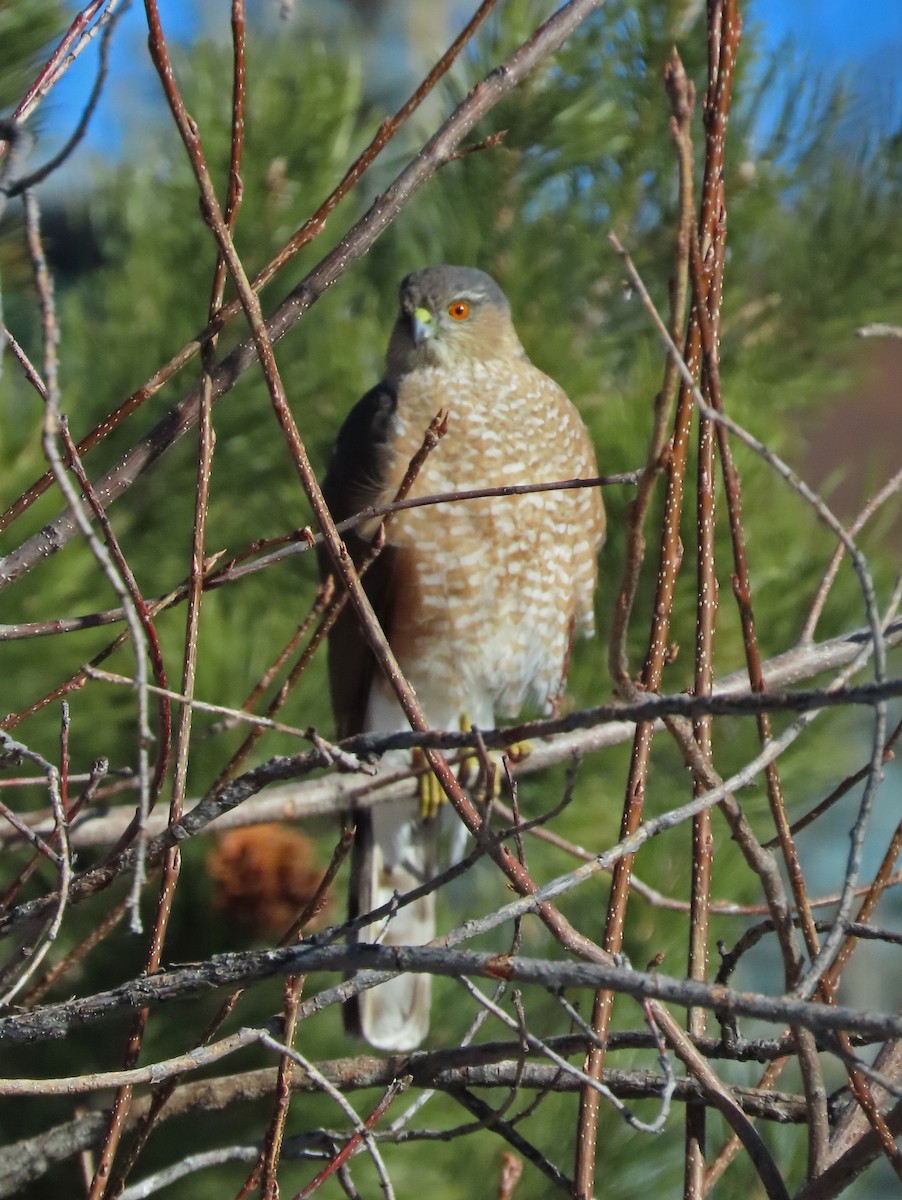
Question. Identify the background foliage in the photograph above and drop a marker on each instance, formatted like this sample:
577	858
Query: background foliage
815	250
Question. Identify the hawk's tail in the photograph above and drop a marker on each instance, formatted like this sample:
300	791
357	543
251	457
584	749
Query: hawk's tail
393	853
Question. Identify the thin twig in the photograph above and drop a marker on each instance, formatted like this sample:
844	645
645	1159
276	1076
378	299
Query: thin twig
108	26
75	41
361	1127
299	543
830	947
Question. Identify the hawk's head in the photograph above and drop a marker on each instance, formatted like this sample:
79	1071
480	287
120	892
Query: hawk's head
450	315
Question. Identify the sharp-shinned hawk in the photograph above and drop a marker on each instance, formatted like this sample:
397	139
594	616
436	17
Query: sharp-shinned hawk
479	599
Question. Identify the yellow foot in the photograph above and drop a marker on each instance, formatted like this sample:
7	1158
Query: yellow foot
482	773
517	751
430	794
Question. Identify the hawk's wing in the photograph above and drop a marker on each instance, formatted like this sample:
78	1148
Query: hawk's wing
396	1014
356	478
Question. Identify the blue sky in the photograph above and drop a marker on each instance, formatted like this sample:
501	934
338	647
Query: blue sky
862	38
835	31
130	73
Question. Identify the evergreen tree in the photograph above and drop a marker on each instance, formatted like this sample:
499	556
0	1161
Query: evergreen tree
815	250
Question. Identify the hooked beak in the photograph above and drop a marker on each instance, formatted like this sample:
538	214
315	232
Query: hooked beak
423	325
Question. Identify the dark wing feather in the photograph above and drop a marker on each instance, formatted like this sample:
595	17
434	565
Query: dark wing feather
358	469
356	478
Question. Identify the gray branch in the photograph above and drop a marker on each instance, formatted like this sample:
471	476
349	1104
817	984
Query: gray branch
369	963
490	1065
553	742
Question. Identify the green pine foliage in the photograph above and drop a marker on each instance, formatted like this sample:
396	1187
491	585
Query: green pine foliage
815	249
24	32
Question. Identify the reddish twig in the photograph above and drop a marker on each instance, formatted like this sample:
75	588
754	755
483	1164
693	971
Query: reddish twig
172	860
330	605
355	1140
163	1093
76	39
291	544
43	172
145	616
683	91
890	488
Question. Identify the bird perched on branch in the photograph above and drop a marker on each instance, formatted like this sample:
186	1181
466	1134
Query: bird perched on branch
479	598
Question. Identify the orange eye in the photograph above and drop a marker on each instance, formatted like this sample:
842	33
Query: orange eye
459	310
